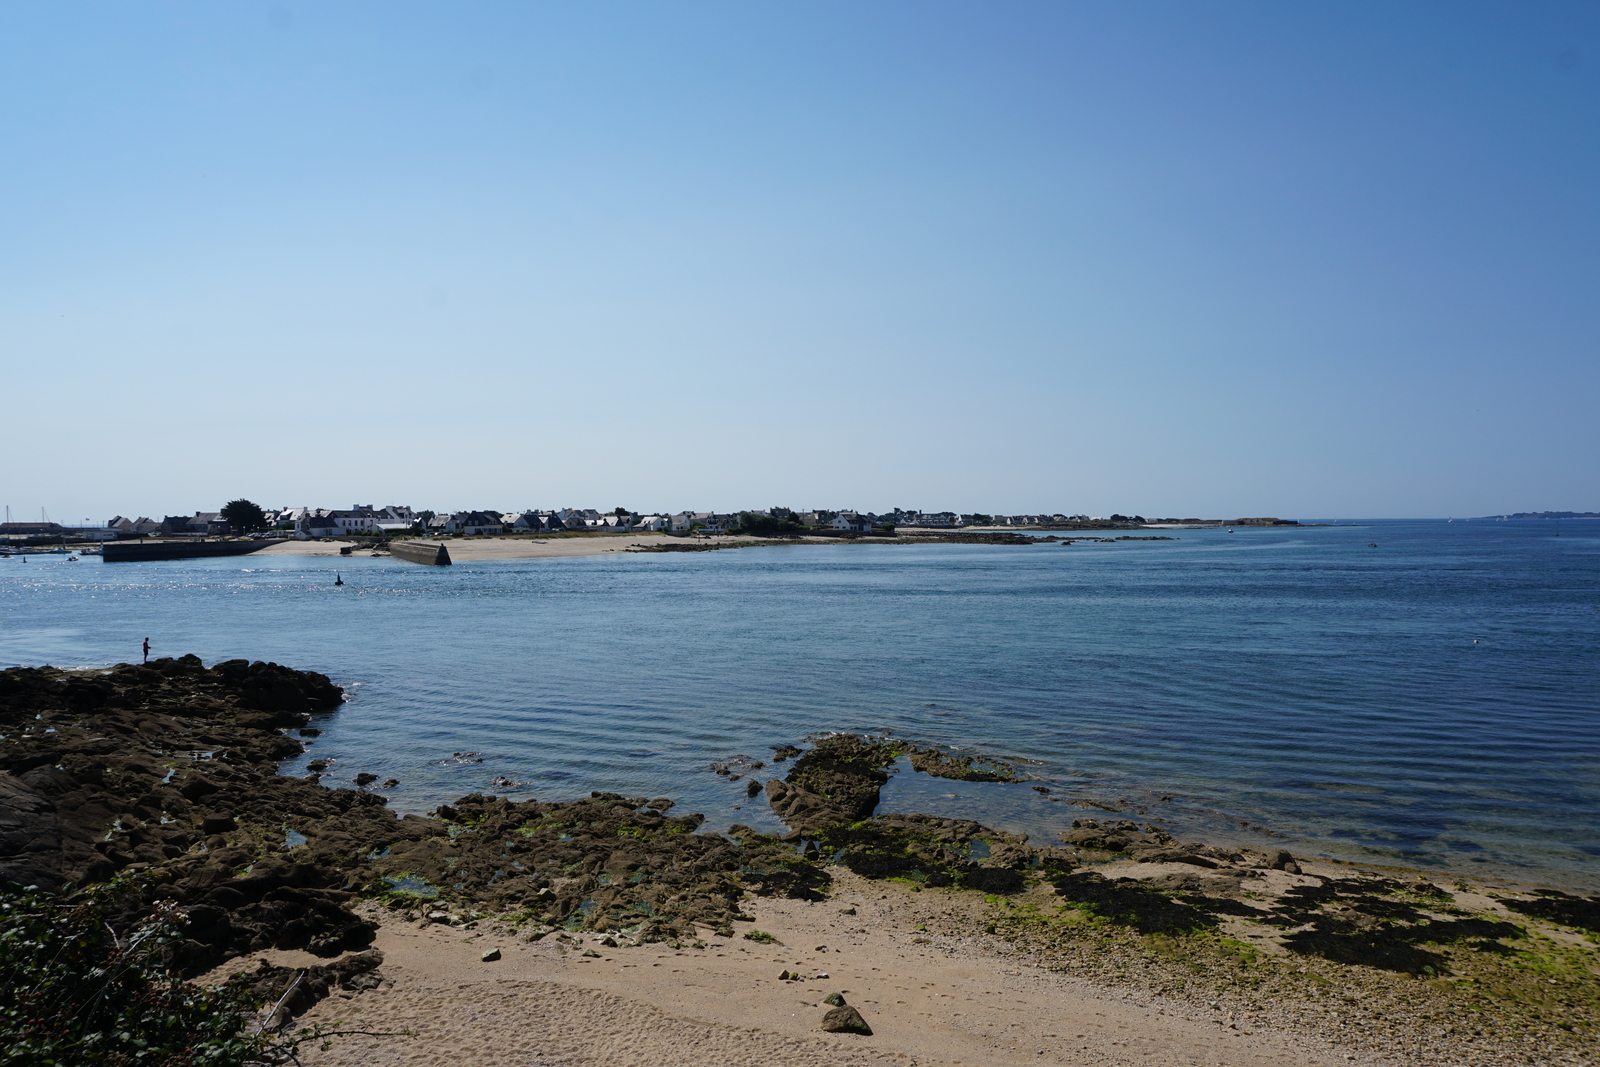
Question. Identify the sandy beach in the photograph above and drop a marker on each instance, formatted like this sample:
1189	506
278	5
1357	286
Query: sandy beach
930	998
465	549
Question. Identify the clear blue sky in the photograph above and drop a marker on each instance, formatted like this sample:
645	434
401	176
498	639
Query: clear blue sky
1187	258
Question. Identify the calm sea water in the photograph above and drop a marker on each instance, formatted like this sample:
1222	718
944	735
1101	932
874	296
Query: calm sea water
1432	701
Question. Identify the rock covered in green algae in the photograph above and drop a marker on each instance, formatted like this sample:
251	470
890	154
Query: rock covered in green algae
830	795
931	761
836	781
605	862
942	852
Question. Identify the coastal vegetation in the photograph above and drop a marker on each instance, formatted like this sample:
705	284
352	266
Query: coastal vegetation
244	516
75	989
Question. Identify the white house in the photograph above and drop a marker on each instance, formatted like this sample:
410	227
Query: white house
358	519
395	518
315	522
471	522
851	521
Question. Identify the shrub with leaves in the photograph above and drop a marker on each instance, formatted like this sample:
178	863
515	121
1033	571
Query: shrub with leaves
74	990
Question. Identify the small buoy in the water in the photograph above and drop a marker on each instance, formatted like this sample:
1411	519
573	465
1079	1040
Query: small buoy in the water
1474	640
338	579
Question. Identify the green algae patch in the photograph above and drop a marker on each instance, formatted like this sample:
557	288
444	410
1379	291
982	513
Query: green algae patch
1419	977
761	937
605	863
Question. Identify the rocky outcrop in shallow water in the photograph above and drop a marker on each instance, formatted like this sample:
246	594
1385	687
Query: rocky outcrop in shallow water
1150	844
135	766
836	781
168	774
936	764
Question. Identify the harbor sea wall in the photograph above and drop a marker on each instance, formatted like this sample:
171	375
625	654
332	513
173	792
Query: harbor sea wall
141	551
433	554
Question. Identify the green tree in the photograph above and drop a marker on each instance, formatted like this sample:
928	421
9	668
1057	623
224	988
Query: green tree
763	525
244	516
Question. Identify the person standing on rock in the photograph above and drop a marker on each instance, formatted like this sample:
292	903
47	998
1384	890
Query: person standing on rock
147	650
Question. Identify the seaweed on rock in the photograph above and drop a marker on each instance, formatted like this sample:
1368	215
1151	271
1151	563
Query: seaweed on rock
836	781
937	764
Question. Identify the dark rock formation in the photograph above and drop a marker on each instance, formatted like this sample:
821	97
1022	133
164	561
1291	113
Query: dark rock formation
846	1020
168	772
942	852
136	766
1581	913
1153	845
837	781
607	862
938	764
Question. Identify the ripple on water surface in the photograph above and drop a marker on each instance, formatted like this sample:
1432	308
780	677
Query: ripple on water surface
1292	681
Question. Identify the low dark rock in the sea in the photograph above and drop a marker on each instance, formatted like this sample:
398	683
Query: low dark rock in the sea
931	761
836	781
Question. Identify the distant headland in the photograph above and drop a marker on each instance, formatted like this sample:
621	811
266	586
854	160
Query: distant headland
1540	515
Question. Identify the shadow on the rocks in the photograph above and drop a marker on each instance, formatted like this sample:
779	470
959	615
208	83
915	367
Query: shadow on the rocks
1356	920
1130	903
1582	913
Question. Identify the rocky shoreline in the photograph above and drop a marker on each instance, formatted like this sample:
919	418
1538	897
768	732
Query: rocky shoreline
165	776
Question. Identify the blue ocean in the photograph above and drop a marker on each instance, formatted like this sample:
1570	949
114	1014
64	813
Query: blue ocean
1432	701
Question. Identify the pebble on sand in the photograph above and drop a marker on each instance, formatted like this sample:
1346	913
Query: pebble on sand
845	1019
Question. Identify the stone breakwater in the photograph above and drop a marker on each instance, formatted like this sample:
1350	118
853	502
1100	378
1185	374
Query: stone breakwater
165	776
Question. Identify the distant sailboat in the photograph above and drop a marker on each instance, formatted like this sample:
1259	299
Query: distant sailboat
338	579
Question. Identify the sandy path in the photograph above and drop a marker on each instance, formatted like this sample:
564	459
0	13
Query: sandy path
930	1000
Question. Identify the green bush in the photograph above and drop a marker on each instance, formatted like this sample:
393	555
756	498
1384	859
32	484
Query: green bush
764	525
74	990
